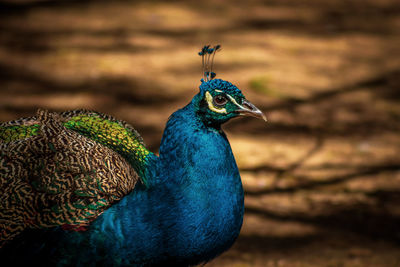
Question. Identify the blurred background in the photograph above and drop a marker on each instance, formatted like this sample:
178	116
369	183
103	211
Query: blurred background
322	177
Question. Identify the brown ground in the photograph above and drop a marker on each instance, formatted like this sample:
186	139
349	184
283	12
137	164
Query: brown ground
322	177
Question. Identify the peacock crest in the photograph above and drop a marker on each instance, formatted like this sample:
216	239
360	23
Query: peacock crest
207	54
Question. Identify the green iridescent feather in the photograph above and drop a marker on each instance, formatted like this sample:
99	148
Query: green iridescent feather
113	135
16	132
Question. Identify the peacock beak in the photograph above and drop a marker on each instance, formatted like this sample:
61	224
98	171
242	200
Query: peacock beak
248	109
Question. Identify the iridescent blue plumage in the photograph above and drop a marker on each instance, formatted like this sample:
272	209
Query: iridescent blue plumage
190	211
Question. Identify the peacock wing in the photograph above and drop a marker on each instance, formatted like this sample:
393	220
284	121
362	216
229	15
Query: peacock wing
55	170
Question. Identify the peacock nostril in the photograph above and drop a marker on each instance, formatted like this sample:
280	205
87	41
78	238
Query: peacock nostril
246	105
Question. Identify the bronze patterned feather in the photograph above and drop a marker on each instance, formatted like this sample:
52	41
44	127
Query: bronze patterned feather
51	175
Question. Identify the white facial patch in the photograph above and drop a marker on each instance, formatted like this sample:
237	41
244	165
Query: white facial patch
234	101
211	106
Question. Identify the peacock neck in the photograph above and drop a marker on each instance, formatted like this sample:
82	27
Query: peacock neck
198	166
190	145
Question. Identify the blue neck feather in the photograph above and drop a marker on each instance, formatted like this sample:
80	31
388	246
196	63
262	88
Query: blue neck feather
191	210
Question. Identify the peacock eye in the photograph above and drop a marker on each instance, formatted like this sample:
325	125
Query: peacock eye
220	100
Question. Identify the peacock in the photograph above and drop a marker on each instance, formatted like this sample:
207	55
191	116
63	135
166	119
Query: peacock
79	188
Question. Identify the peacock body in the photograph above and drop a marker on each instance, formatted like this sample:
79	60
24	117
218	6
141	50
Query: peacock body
80	188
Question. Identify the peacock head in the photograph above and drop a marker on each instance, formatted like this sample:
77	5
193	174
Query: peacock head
219	101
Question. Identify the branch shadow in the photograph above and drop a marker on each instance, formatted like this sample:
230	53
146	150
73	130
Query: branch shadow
331	21
359	219
386	80
271	244
310	183
119	89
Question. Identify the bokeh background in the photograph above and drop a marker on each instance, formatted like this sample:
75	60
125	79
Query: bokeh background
322	177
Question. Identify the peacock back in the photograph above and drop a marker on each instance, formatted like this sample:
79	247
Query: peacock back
65	169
